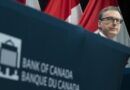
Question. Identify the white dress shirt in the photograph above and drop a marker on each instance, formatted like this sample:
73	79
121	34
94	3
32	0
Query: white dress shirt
98	31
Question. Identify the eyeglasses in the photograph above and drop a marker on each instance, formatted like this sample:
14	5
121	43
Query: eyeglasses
111	20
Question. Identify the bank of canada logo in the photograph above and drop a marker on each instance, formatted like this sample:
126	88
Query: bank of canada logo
10	52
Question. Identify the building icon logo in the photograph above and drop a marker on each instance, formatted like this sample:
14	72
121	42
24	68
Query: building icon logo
10	53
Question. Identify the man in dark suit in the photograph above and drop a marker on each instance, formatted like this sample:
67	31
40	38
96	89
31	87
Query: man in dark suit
109	23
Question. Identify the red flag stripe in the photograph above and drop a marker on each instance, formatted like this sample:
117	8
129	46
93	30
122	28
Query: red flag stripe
74	3
60	8
57	8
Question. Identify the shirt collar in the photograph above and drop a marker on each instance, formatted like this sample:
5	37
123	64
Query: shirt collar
103	35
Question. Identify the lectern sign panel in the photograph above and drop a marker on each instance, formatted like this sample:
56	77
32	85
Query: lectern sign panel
14	67
39	52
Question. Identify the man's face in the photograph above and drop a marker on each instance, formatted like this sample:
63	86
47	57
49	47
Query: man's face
110	23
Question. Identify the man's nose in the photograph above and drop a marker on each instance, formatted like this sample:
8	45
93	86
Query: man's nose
115	21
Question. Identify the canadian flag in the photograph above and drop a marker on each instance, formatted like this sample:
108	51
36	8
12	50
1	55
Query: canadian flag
67	10
31	3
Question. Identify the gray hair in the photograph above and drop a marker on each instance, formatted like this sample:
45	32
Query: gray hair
112	8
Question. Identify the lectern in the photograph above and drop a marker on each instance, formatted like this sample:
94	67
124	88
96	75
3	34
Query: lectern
55	55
